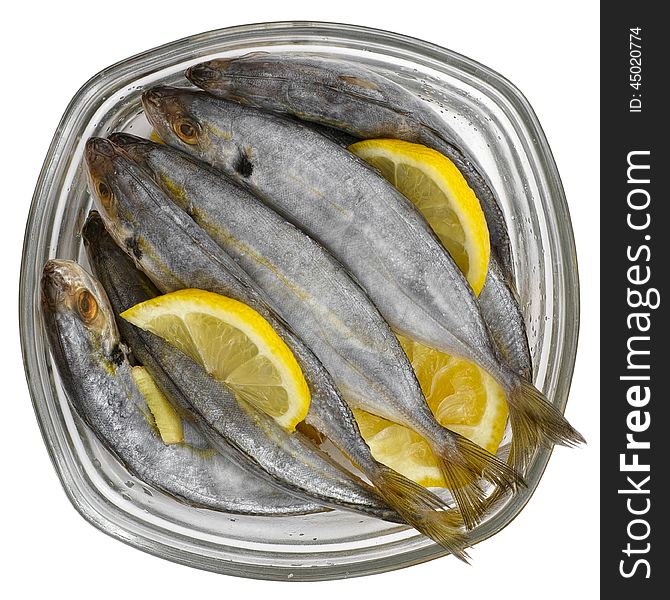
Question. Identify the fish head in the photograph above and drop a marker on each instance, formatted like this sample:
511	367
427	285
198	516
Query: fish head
173	113
238	78
101	157
210	74
122	190
183	119
127	140
76	308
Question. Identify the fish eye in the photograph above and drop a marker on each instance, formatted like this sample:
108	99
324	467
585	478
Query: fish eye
87	306
186	130
104	194
103	190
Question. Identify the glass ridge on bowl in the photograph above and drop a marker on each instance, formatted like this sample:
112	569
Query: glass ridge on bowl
496	126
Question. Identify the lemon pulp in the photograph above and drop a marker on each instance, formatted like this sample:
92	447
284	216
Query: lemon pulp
166	419
235	344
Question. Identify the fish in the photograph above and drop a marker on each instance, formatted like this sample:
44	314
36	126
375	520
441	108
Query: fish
165	243
354	98
329	311
369	226
337	94
94	367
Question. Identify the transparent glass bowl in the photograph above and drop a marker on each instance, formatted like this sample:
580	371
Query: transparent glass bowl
496	125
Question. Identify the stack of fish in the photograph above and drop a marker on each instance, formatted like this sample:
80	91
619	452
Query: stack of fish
255	197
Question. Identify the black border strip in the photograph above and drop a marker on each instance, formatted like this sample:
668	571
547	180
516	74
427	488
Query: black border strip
635	340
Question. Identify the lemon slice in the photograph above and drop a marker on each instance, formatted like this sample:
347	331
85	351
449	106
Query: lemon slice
437	188
167	421
463	398
234	344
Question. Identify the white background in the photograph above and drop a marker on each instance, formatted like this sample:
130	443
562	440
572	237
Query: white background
550	51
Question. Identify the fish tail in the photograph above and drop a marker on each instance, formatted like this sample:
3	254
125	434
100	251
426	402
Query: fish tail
462	464
535	422
422	509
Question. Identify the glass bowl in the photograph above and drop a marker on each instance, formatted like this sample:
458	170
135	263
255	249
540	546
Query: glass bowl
495	124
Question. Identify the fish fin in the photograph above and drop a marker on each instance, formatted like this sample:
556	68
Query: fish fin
535	422
463	464
422	509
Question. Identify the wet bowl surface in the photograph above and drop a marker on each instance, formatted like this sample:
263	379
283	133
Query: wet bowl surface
497	127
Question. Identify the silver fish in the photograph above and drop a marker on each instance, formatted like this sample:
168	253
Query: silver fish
353	98
318	299
366	224
96	373
365	103
176	253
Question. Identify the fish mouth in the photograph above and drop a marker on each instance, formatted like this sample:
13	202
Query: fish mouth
58	280
207	72
123	139
160	97
99	154
68	291
93	229
133	146
97	146
154	96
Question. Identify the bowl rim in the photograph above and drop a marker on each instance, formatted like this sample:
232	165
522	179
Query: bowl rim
314	32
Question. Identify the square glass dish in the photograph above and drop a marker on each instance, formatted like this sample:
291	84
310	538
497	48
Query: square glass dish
497	127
